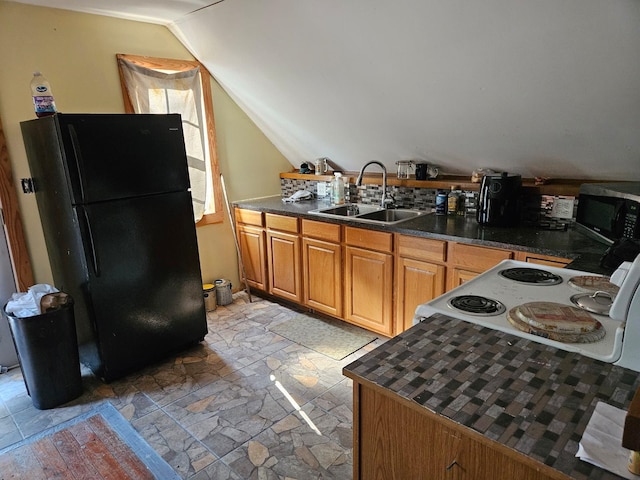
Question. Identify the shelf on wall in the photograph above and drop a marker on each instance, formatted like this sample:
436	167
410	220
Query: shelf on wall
560	186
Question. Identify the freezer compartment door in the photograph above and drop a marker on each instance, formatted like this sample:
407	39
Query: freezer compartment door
110	157
144	279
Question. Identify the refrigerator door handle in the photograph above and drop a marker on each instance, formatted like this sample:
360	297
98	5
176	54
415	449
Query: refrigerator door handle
91	243
77	155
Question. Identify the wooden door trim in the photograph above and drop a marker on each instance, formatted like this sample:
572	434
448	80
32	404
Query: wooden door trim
22	271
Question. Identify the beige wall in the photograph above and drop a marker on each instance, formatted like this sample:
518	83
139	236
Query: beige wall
76	52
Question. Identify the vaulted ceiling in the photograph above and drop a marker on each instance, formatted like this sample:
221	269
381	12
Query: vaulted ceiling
536	87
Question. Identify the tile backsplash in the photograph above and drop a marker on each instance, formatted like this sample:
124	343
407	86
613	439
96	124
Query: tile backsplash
544	211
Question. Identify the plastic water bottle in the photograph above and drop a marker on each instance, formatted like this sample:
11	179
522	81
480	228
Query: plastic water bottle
337	189
43	101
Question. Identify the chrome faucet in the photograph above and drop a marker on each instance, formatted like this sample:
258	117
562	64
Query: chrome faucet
383	201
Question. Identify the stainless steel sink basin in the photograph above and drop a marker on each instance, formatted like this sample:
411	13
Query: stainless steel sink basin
392	215
368	214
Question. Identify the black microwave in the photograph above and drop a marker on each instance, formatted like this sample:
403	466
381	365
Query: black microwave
609	211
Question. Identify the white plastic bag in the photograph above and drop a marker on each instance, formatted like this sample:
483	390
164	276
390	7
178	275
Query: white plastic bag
27	304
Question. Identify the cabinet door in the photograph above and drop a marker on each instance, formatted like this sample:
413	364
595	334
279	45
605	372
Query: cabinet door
457	276
251	240
283	251
369	289
417	282
393	441
322	276
478	460
399	443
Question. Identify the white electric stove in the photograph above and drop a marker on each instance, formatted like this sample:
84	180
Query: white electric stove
621	342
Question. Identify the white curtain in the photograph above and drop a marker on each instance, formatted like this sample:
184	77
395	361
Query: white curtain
153	91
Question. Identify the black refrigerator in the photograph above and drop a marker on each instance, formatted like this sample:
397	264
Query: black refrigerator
113	195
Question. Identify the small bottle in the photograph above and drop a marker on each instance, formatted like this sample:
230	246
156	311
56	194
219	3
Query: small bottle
43	101
337	189
462	204
441	203
452	201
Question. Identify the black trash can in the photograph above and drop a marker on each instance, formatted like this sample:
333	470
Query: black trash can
47	349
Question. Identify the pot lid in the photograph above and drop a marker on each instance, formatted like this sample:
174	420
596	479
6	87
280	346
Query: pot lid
593	283
597	302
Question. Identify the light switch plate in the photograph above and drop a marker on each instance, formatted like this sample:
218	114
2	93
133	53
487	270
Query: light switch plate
562	207
322	189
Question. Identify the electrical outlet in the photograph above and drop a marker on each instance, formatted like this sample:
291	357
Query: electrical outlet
27	185
322	189
562	207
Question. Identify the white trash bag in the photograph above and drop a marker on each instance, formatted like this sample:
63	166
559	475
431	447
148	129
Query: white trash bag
22	304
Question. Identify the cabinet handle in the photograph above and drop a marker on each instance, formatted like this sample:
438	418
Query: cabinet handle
455	462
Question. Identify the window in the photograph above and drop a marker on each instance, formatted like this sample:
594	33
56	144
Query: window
159	85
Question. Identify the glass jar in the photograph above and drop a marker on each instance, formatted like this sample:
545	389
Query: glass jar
404	169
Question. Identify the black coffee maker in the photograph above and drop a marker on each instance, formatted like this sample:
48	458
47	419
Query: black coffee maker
499	200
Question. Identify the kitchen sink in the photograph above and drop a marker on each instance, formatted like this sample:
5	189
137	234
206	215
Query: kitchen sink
392	215
368	213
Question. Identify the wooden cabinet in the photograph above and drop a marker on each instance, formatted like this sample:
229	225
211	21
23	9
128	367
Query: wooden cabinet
283	257
395	440
369	279
322	267
467	261
420	276
251	240
542	259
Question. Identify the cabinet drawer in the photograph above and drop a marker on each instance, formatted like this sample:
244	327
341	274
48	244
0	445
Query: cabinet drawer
543	259
321	230
369	239
477	258
249	217
422	248
282	223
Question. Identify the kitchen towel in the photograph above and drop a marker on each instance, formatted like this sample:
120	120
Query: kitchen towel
601	443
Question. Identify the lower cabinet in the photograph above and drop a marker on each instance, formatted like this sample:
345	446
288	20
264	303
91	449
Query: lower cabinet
373	279
417	282
395	441
420	276
467	261
251	240
322	267
369	279
283	254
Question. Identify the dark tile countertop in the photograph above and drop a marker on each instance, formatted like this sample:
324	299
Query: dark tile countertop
532	398
572	244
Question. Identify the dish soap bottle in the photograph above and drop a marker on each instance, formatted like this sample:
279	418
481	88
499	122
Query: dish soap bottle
43	101
337	189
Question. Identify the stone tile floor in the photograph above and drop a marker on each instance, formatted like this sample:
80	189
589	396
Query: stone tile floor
244	404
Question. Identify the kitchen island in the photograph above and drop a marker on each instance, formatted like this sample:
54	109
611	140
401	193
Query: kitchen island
449	399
